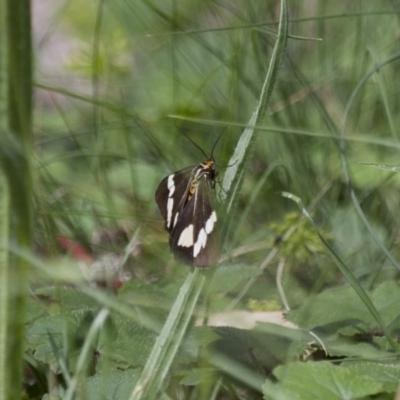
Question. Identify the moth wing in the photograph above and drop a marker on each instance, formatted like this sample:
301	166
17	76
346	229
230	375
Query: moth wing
195	237
171	195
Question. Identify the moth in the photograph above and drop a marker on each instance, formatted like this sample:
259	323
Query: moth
186	200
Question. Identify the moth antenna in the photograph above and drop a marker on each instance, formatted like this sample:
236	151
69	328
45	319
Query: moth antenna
188	137
215	143
227	166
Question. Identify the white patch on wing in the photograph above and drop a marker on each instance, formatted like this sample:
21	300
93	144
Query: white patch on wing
186	237
210	222
201	242
171	185
170	206
203	234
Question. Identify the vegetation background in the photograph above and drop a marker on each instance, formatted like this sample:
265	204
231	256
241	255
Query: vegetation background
117	86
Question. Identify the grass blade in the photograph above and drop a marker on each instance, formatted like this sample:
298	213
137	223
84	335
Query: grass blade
168	341
346	273
346	171
234	175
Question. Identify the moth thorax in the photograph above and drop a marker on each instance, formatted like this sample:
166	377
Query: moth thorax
204	170
208	165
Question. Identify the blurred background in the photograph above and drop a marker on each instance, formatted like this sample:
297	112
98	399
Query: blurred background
118	83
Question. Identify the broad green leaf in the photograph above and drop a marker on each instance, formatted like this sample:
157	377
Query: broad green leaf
342	307
244	346
34	310
342	347
115	384
112	385
336	345
130	345
325	381
122	341
387	374
45	337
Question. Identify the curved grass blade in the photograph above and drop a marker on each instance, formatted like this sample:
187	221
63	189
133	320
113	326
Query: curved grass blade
85	352
169	340
346	172
16	219
4	260
234	175
346	272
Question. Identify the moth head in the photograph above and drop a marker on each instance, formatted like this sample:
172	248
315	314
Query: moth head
207	167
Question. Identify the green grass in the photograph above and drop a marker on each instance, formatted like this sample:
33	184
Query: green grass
307	110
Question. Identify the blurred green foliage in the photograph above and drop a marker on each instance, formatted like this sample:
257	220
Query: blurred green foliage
109	123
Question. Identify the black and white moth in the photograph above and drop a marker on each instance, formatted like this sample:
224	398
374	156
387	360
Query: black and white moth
186	201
